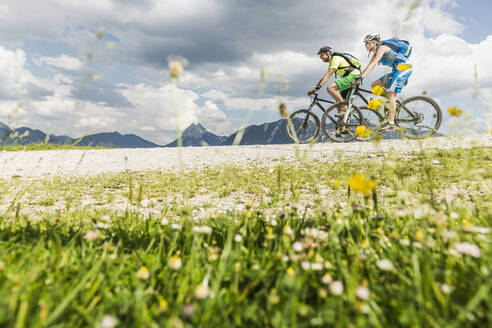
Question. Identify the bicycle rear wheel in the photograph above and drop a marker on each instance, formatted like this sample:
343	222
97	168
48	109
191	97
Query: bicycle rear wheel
336	129
371	120
418	117
302	126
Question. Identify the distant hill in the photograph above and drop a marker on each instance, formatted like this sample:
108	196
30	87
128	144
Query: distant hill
4	132
267	134
117	140
197	135
110	139
37	136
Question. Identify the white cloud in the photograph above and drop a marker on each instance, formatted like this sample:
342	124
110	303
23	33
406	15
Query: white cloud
435	21
15	78
213	118
167	107
53	106
148	128
13	113
62	61
256	104
95	122
286	64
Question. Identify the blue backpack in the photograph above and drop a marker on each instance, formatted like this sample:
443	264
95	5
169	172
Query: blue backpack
401	47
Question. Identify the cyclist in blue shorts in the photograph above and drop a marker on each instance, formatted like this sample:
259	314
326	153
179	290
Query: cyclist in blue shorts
392	82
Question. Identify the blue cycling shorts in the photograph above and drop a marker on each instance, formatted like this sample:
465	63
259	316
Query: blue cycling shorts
396	80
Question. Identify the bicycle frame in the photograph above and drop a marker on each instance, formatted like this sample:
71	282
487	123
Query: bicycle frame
399	105
354	92
357	92
316	101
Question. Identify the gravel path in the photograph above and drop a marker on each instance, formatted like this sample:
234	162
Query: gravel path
30	164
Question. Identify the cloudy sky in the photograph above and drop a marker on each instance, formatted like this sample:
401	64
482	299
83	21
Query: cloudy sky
70	67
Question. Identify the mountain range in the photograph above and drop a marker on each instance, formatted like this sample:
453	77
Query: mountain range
194	135
24	136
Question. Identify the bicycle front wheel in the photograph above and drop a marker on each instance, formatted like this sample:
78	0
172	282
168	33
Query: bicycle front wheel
340	130
302	126
418	117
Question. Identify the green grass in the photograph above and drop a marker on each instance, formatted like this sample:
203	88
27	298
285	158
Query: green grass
74	250
43	146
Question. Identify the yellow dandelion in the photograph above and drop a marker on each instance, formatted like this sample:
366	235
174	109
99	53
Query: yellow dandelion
273	298
403	67
283	110
290	271
374	104
394	234
466	223
362	131
288	230
377	90
163	305
419	235
359	183
175	262
202	291
248	214
143	273
453	111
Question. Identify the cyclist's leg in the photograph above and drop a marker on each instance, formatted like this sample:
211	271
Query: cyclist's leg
399	80
391	96
342	85
333	90
385	82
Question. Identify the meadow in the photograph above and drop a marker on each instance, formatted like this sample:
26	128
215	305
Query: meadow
384	240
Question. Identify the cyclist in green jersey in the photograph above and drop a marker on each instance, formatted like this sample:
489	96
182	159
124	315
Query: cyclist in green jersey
342	65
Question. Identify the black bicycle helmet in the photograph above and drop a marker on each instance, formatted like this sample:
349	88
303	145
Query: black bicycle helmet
324	49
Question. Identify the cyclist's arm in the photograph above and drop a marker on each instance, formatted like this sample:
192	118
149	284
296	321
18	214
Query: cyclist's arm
326	77
375	60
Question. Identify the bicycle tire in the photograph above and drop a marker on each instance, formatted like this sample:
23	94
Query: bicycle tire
412	130
306	134
332	130
371	120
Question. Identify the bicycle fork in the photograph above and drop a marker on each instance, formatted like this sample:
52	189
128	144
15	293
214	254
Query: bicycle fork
349	108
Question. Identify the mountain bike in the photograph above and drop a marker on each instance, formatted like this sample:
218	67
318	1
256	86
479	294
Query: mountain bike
303	125
416	117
